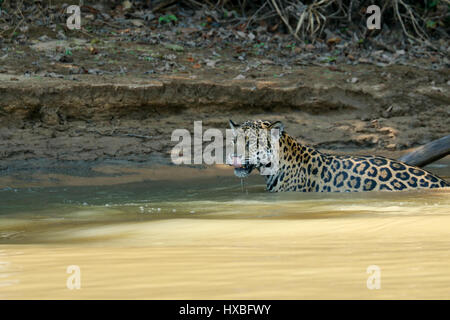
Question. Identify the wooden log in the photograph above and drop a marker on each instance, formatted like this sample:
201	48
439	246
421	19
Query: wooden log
428	153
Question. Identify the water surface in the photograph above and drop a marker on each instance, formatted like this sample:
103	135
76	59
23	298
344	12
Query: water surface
207	238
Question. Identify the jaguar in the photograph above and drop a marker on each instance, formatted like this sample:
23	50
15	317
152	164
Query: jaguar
305	169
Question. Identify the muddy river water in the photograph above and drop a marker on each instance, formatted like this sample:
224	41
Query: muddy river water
210	238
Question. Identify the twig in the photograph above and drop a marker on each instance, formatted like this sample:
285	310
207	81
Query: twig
285	21
254	15
120	134
136	136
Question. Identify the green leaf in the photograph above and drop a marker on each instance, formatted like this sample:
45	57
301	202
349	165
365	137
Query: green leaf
431	24
174	47
329	59
433	4
167	18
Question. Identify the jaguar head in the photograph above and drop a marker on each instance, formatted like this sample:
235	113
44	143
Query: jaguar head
255	146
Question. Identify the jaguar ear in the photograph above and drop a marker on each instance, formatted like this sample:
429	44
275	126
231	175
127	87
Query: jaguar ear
233	126
276	125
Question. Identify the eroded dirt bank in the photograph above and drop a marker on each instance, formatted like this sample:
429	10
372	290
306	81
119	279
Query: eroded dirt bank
114	90
55	124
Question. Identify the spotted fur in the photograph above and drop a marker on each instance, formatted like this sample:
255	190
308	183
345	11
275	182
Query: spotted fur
305	169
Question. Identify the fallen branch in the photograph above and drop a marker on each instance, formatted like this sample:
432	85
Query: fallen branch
428	153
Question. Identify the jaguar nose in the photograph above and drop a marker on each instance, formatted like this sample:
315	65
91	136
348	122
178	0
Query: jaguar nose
236	162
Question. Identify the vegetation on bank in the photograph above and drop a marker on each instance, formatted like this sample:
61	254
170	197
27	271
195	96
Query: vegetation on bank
308	20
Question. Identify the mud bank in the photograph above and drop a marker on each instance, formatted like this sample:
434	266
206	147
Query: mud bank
102	118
